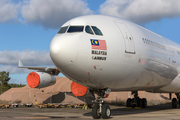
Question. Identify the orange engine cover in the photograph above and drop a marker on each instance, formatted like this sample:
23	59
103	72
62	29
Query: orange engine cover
33	79
40	79
78	90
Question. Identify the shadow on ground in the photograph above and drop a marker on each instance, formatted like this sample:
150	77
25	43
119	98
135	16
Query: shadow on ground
56	98
59	97
122	111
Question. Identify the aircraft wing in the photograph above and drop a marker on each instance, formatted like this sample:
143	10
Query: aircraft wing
51	70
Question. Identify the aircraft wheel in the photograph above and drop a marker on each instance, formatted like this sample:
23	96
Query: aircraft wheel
129	102
133	103
174	103
144	103
106	111
139	102
95	112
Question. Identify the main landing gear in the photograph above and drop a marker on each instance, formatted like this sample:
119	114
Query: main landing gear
101	109
175	101
136	101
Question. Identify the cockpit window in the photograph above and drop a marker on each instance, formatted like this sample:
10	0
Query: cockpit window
75	29
63	29
96	30
88	30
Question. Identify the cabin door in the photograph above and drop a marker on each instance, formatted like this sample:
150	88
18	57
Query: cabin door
128	39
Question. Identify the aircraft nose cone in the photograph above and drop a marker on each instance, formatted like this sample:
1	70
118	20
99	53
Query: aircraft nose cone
63	50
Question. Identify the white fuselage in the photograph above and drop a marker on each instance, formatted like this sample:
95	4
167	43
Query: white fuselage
133	59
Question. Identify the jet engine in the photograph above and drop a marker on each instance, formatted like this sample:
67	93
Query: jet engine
40	79
80	91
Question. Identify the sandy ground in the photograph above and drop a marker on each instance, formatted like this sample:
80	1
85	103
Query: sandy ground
60	92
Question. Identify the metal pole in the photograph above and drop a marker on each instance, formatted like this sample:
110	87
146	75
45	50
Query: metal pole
156	98
29	96
65	97
76	99
116	98
160	99
12	96
144	95
51	97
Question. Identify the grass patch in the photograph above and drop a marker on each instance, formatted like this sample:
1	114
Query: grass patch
120	102
17	101
117	102
4	102
158	102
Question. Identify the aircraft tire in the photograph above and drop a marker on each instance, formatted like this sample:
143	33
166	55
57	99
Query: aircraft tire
133	104
95	111
174	103
139	102
129	102
106	111
144	103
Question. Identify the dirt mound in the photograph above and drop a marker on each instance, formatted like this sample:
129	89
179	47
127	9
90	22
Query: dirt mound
55	93
60	92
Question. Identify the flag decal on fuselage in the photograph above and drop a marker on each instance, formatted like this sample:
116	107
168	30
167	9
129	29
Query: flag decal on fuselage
98	44
99	49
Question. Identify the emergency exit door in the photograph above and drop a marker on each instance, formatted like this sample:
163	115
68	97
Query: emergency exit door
128	39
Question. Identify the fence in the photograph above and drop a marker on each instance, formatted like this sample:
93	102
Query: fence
44	98
68	98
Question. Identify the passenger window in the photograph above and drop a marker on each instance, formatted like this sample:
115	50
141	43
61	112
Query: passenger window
63	29
88	30
75	29
96	30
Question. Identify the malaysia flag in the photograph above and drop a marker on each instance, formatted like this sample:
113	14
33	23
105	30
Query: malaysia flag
98	44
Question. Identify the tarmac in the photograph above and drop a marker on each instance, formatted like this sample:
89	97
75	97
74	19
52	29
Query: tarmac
163	112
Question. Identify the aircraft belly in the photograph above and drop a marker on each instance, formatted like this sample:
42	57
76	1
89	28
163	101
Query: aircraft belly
150	75
173	87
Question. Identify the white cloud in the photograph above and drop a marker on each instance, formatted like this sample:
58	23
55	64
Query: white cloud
46	13
141	11
8	11
9	60
53	13
30	58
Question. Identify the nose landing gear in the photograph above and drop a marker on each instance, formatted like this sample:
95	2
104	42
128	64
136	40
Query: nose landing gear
101	109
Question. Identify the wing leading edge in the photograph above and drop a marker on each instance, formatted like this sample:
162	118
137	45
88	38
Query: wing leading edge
50	70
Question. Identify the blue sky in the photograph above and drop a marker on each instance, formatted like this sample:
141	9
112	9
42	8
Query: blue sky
27	26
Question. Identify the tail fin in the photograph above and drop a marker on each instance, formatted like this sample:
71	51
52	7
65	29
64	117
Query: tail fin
20	64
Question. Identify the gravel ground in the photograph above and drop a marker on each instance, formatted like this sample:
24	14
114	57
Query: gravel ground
152	112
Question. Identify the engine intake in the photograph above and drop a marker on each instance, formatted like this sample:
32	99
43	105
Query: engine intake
40	79
80	90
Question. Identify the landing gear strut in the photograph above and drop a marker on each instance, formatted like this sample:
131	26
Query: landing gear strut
101	109
136	101
175	101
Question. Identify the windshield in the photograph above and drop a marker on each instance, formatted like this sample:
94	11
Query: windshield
96	30
75	29
88	30
63	29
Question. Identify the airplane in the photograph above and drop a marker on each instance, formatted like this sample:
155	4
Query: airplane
102	53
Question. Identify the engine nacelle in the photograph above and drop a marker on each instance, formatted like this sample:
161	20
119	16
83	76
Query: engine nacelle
40	79
80	90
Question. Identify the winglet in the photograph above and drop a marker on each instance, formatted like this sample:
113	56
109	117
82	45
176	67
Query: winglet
20	64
